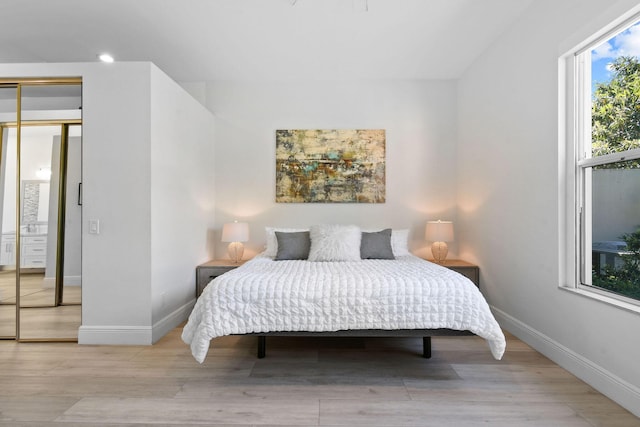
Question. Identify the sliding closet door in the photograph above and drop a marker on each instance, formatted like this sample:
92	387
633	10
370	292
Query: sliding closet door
8	160
49	306
40	208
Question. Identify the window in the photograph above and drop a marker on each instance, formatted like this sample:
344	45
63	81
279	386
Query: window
606	161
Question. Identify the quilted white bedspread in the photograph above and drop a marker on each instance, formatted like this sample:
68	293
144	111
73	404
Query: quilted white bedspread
264	295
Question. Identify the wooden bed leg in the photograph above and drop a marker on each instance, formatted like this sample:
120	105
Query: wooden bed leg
262	346
426	347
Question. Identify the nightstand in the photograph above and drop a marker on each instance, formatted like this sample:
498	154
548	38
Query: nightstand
471	271
210	270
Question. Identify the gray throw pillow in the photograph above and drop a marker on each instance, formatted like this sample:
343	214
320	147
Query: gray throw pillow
293	245
376	245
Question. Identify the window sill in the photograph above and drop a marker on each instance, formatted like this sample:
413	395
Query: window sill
633	308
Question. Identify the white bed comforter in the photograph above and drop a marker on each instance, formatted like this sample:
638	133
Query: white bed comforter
407	293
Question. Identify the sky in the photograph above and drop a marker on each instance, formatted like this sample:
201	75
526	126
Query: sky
626	43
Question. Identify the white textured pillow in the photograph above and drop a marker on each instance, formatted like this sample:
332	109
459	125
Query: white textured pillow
271	248
400	242
335	243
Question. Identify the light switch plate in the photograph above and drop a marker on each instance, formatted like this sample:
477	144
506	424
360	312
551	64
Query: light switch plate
94	226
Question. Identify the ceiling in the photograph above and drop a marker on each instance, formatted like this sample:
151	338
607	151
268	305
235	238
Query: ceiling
200	40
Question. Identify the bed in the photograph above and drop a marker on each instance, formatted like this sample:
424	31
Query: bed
399	296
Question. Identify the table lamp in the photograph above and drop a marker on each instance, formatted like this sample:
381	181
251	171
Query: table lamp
235	233
439	232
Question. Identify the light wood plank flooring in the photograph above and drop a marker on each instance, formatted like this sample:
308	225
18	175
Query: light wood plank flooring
37	321
301	382
33	291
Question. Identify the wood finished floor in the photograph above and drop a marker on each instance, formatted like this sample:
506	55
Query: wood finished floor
33	291
36	321
301	382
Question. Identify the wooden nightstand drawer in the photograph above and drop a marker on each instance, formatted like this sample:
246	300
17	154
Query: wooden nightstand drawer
208	271
471	271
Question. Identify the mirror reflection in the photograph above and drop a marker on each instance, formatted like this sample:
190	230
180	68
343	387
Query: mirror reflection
35	204
50	294
7	240
40	215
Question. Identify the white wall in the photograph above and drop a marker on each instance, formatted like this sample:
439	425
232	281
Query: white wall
508	193
182	186
420	122
117	264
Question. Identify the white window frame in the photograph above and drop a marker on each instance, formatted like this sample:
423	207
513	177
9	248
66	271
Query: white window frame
575	165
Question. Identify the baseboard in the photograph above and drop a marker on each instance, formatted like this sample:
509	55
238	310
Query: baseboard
134	335
50	282
622	392
115	335
171	321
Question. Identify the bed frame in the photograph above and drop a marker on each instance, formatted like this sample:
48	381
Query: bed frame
426	335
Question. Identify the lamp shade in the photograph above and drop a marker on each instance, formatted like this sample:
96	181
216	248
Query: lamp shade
235	232
439	231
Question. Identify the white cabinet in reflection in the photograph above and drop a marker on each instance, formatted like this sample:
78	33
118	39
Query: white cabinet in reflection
34	251
8	249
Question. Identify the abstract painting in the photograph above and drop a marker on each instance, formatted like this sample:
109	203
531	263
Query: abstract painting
330	166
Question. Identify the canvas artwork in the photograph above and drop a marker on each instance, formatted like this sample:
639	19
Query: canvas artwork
330	166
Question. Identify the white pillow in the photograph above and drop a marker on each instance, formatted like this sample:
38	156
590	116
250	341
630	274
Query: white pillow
335	243
271	248
399	241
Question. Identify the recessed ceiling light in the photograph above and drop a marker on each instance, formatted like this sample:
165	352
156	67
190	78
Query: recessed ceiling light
105	57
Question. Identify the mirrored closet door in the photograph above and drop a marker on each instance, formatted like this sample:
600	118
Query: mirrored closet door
8	161
42	165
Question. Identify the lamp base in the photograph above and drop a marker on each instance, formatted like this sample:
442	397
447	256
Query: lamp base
439	251
236	250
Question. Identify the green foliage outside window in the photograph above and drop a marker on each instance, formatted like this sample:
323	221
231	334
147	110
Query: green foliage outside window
624	280
615	115
615	112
